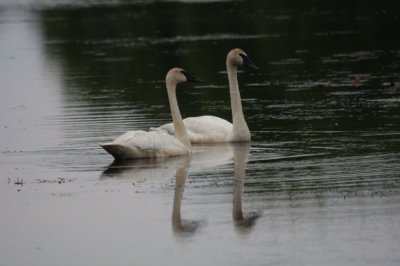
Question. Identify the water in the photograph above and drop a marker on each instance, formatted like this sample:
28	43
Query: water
319	184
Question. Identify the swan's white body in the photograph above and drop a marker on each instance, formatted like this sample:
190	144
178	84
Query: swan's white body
203	129
143	144
155	144
212	129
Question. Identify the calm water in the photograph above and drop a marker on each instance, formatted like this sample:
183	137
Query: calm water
318	185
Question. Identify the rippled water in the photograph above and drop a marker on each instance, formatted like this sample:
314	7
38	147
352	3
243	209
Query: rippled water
318	185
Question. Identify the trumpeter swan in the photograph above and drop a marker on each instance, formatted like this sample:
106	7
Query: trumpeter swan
153	144
209	129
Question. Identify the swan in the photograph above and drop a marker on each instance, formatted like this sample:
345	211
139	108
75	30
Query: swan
156	144
212	129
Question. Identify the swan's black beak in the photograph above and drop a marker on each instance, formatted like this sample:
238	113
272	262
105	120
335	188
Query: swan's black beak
190	77
248	62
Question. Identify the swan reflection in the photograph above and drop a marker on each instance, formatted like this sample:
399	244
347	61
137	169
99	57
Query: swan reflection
180	225
202	158
144	169
242	222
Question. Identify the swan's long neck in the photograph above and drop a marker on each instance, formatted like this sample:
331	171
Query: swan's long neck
180	130
240	128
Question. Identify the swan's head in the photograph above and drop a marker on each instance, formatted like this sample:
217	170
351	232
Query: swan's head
238	57
178	75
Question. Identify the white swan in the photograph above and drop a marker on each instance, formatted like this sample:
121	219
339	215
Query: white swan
154	144
209	129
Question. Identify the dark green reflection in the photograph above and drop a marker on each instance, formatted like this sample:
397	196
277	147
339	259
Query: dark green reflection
323	66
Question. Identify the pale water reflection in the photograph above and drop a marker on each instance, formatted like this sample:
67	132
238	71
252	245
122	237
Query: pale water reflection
248	220
204	157
180	225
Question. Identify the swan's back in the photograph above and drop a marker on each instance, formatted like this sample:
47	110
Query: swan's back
142	144
203	129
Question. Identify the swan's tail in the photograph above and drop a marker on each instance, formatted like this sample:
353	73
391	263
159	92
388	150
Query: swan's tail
118	151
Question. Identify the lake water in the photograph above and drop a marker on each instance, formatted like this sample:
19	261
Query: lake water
318	185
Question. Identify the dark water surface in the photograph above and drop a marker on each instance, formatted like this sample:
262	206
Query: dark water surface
318	185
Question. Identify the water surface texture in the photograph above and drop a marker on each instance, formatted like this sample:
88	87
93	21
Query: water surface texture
318	185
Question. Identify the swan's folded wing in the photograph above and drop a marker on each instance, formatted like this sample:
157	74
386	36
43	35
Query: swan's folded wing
207	124
208	129
203	129
147	144
162	144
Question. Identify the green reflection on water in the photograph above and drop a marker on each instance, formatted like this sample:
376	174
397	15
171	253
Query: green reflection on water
323	66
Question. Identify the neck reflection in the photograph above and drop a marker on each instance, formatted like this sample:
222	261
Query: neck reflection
242	222
203	157
180	225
